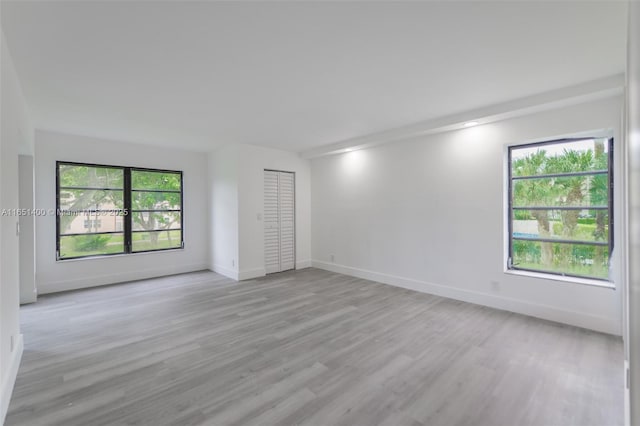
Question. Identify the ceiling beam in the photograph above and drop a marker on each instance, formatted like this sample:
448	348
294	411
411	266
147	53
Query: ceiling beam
572	95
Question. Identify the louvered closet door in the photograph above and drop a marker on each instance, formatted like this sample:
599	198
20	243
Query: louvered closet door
271	223
287	221
279	221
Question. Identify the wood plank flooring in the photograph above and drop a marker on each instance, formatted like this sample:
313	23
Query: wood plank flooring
305	347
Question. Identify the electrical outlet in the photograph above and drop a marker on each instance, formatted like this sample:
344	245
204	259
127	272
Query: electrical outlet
495	286
332	258
233	262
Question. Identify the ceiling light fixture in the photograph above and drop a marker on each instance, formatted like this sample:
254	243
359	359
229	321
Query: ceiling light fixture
470	123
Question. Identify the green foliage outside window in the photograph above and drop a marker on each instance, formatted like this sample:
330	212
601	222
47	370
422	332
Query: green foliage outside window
158	195
92	202
90	242
561	192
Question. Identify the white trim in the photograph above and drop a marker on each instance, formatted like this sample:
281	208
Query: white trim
627	396
99	280
251	273
587	134
10	379
573	95
261	272
115	256
578	319
302	264
563	278
227	272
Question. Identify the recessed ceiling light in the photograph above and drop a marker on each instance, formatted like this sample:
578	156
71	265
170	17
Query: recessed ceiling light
470	123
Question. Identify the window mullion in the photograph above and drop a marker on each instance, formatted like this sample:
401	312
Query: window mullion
532	208
127	208
58	230
611	206
561	175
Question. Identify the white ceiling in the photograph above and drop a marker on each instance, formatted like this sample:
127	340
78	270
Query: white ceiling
295	76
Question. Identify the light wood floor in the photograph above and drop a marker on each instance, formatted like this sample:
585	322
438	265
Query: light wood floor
305	348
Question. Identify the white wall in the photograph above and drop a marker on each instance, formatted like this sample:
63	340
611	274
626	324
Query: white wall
400	213
237	200
223	211
27	239
633	139
16	131
53	276
253	160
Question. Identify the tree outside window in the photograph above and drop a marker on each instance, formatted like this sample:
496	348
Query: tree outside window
560	199
105	210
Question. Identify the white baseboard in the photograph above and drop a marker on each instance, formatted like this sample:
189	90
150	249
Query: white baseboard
227	272
578	319
627	396
98	280
29	297
10	379
251	273
261	272
301	264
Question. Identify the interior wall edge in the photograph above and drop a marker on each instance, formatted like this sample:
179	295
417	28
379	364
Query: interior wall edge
633	173
302	264
10	379
227	272
251	273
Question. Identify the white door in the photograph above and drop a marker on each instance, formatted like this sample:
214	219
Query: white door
279	221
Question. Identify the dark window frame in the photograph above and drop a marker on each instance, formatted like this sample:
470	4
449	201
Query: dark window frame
127	192
609	207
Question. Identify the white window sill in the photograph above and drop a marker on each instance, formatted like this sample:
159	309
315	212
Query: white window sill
562	278
120	255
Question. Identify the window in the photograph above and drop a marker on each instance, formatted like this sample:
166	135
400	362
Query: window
107	210
560	207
